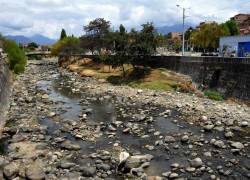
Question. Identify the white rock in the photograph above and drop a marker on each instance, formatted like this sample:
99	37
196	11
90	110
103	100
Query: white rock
123	156
197	162
237	145
244	124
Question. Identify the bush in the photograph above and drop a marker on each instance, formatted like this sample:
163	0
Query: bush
19	68
16	57
214	95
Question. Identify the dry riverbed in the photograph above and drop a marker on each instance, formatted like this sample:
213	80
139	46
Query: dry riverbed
63	126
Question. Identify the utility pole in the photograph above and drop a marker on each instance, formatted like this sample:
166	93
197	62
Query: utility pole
183	28
183	33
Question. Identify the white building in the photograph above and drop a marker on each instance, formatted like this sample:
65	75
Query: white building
235	45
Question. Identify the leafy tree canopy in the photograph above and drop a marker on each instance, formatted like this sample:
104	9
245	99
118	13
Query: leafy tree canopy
69	45
63	34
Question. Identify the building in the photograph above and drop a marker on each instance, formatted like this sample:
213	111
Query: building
205	22
175	35
243	22
237	46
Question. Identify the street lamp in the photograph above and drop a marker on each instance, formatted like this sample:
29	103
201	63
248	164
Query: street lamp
183	28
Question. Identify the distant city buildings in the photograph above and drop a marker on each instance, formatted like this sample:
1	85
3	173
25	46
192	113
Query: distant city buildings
243	22
176	35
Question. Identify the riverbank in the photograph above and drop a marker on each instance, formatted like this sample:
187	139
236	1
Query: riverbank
63	126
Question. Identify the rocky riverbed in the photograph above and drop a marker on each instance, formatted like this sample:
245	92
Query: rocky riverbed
62	126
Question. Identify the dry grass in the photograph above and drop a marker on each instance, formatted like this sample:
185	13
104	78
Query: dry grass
156	79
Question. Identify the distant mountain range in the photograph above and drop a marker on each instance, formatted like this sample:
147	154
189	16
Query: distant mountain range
174	28
39	39
42	40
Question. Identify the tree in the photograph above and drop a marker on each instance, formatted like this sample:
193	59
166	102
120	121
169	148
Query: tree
207	36
232	27
96	35
63	34
121	48
161	40
67	46
147	40
32	46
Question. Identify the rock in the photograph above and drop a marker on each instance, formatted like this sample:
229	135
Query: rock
136	161
3	162
166	174
208	127
175	165
45	96
34	172
140	117
123	157
204	118
139	91
244	124
87	73
190	169
237	145
169	139
208	154
88	171
104	167
229	134
66	164
219	144
185	138
11	170
70	145
52	114
197	162
173	176
137	171
154	178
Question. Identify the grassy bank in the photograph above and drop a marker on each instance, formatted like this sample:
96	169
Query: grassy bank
141	77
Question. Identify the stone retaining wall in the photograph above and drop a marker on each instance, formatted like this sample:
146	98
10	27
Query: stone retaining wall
231	76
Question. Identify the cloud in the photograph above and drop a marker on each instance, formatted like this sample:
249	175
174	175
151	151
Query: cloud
48	17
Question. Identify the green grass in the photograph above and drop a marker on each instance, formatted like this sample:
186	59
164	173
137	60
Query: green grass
155	85
214	95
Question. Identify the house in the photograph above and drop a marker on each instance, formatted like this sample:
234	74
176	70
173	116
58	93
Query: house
243	22
175	35
235	46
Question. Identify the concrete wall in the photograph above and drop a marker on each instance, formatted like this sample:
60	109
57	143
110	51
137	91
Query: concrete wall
5	89
230	76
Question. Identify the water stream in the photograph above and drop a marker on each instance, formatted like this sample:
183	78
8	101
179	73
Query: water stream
107	111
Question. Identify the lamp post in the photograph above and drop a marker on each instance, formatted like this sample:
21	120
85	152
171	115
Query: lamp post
183	28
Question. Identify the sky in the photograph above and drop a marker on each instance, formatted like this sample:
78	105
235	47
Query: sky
48	17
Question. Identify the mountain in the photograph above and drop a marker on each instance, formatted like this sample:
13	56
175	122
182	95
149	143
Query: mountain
39	39
42	40
19	39
174	28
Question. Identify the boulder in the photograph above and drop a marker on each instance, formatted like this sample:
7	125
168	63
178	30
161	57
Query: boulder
34	172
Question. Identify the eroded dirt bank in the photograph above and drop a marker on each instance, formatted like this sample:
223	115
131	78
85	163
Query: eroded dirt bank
62	126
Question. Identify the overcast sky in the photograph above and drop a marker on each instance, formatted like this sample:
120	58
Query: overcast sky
48	17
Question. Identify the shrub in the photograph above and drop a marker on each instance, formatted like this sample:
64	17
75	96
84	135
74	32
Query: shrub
19	68
16	57
214	95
